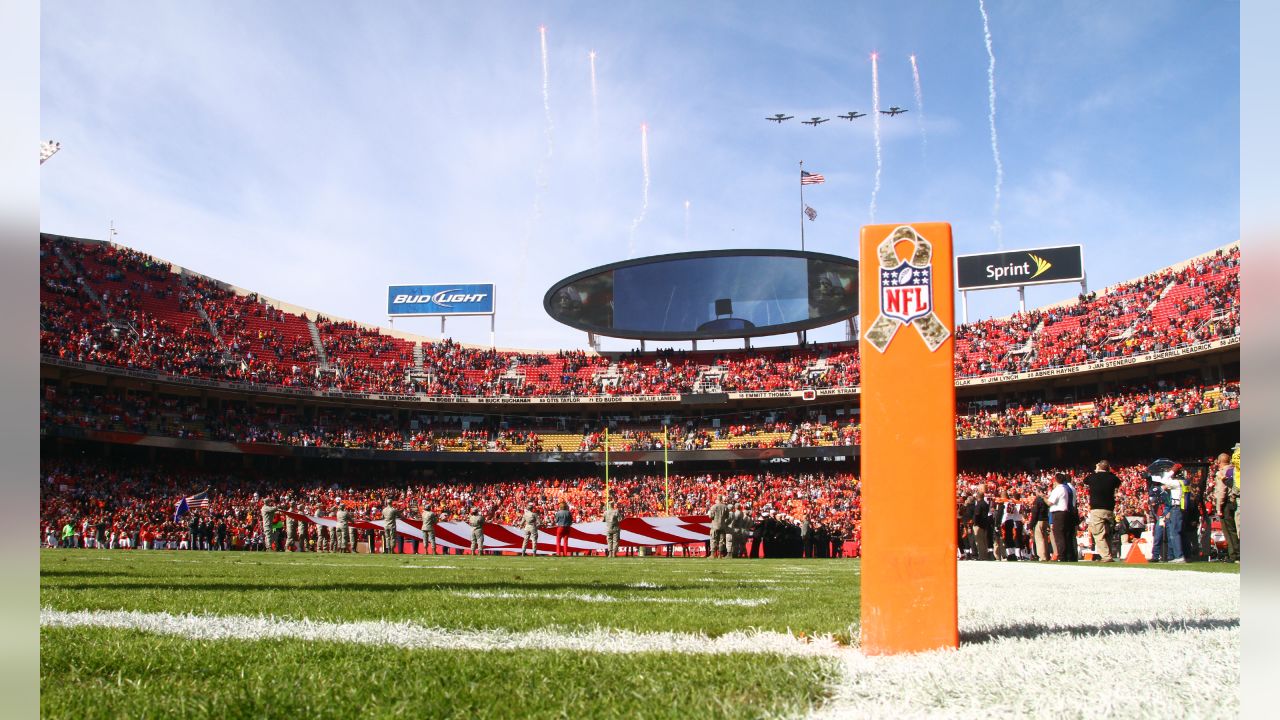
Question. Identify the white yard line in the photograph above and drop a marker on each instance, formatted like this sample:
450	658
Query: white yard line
603	598
268	561
411	635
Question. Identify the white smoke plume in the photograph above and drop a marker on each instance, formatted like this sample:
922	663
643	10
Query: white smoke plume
644	204
875	123
915	82
991	116
595	92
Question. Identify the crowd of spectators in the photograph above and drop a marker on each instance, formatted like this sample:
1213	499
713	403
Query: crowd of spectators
1164	310
139	502
109	305
92	407
116	505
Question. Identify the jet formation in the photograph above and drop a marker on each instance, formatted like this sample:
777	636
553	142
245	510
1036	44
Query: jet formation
850	116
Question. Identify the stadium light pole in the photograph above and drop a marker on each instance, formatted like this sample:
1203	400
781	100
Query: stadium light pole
48	149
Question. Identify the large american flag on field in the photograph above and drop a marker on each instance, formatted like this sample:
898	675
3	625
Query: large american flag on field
583	536
808	178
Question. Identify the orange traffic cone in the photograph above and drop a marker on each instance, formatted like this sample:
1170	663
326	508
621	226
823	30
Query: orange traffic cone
1135	555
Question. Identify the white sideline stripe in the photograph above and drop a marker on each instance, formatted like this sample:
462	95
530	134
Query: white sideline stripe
1064	641
603	598
414	636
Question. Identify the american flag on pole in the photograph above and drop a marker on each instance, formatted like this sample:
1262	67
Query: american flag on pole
197	501
189	503
808	178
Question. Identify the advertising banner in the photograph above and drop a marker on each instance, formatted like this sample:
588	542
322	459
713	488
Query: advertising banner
1013	268
439	299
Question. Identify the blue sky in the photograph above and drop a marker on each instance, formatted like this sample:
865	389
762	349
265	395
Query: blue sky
317	151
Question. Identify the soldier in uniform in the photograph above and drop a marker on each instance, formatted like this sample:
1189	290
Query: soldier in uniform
475	519
290	530
612	528
530	524
429	520
389	517
322	533
744	530
731	531
719	513
343	541
806	537
268	516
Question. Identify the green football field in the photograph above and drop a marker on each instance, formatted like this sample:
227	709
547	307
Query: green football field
240	635
510	616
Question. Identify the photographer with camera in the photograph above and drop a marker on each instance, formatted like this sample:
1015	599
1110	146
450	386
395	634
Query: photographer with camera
1102	484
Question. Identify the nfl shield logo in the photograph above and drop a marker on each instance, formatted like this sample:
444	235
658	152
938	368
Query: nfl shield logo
906	292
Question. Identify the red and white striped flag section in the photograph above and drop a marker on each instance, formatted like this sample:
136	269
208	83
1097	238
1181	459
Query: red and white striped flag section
808	178
583	536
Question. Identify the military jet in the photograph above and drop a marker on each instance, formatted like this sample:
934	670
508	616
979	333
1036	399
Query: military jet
778	118
852	115
895	110
815	121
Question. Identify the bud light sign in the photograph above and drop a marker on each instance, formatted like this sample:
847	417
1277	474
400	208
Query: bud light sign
457	299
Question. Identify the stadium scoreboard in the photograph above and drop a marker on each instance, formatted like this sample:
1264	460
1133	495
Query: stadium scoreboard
710	294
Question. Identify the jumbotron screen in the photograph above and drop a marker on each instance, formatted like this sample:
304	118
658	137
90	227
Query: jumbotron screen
711	294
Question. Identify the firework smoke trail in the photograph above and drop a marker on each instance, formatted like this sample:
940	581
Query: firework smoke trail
644	205
991	116
915	81
542	179
595	95
875	123
546	89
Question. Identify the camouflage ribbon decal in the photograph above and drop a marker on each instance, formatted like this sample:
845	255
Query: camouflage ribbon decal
906	292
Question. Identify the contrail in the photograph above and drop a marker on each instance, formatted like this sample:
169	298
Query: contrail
915	80
686	223
875	123
991	116
644	205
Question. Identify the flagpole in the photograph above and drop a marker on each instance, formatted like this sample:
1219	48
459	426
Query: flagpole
666	469
802	206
